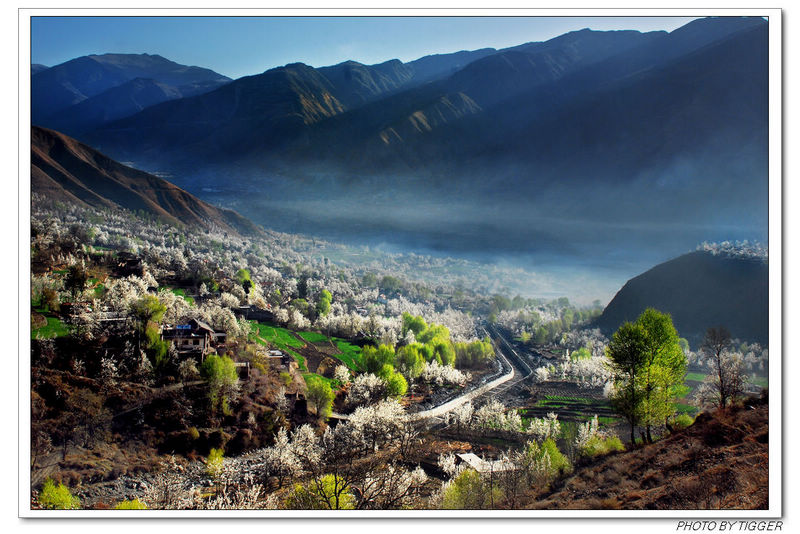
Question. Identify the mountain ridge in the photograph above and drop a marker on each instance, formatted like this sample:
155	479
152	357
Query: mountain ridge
700	290
57	89
65	169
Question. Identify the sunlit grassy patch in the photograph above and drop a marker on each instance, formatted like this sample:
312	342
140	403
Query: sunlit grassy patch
54	328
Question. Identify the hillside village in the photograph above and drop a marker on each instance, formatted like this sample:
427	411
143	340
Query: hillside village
144	357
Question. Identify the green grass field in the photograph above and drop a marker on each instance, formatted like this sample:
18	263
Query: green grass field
350	354
301	362
284	340
280	337
54	328
761	381
314	337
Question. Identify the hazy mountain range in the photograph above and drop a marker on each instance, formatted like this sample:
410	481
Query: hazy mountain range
607	150
89	91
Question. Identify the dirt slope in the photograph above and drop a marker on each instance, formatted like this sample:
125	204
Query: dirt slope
720	462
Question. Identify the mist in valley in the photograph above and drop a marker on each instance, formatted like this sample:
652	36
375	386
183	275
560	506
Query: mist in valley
579	240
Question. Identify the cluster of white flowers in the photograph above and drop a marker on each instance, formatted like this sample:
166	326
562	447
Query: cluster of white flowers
447	463
494	416
542	374
754	357
366	389
434	373
108	370
342	374
545	428
586	432
461	415
737	249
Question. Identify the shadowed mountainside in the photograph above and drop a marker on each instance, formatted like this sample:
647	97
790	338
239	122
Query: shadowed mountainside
700	290
65	170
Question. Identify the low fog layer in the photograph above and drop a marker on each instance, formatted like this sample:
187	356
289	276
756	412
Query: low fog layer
582	242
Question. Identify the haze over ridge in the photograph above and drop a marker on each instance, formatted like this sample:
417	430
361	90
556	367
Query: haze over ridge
609	150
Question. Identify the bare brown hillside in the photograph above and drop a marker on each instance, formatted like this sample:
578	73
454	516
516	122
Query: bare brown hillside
720	462
67	170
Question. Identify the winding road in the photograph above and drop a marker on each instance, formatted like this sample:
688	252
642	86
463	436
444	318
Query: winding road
519	372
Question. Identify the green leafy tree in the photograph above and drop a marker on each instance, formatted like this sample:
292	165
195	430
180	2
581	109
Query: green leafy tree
541	335
665	367
220	374
319	394
410	361
649	368
147	309
475	354
582	353
58	497
559	464
373	359
396	385
390	284
626	353
243	277
157	348
300	305
324	303
413	323
434	333
444	353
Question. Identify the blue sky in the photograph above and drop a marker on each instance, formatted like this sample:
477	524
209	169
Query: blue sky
240	46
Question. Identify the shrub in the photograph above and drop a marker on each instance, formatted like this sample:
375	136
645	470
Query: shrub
194	433
214	463
558	462
396	385
54	497
468	491
597	446
134	504
682	421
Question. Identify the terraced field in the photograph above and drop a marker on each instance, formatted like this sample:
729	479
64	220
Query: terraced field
316	354
570	408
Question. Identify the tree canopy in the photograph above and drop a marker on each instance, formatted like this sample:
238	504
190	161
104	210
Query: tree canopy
222	378
649	368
